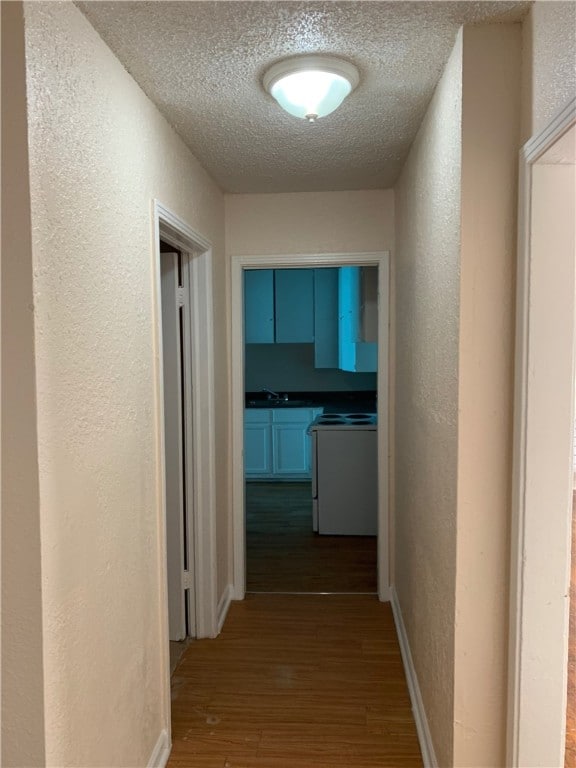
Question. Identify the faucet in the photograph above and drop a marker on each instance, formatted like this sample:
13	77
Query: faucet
274	395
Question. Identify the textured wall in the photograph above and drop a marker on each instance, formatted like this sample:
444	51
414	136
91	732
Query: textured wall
309	222
456	224
99	153
549	69
490	141
426	392
22	670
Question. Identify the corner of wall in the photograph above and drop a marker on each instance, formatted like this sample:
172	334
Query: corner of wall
490	145
23	738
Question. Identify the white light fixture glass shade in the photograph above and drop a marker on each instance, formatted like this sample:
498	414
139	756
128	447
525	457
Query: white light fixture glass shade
311	87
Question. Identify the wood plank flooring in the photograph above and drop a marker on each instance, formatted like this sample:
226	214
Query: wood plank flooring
295	681
570	756
283	554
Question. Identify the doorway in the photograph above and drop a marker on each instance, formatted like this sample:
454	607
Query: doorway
299	365
178	432
192	272
239	264
543	471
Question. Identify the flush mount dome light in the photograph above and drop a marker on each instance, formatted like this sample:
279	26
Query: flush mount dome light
310	87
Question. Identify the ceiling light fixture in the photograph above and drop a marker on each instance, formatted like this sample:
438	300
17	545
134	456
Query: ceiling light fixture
311	87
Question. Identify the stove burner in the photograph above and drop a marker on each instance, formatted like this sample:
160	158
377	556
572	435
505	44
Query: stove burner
358	416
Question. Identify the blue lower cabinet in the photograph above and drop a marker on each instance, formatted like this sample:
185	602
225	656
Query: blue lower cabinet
276	443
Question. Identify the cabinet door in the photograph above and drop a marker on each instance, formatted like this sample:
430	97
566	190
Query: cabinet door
348	316
294	305
259	306
290	449
353	353
326	317
257	443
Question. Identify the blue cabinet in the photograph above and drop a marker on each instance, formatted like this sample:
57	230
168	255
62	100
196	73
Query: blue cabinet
259	306
326	353
276	443
294	306
279	306
355	354
257	443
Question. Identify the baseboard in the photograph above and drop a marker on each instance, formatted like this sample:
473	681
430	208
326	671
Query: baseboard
161	751
424	737
224	605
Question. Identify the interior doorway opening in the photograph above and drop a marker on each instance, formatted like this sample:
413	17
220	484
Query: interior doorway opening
191	409
543	471
178	433
310	366
298	262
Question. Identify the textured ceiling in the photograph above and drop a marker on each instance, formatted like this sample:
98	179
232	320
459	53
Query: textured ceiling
202	64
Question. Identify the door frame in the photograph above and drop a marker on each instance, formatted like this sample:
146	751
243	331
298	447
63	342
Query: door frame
542	479
176	232
183	625
379	259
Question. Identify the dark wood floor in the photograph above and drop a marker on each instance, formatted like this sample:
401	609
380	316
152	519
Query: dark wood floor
283	554
570	758
295	681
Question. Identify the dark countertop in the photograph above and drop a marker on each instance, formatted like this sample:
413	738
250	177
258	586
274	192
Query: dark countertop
331	402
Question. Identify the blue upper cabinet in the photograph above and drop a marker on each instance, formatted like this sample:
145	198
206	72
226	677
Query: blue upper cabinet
355	354
259	306
326	317
294	305
279	306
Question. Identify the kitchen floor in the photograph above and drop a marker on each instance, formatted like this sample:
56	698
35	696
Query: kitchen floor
283	554
295	681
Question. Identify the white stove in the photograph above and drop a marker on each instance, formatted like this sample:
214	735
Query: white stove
345	474
339	420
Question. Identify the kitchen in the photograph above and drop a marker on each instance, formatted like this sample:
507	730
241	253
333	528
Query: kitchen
310	428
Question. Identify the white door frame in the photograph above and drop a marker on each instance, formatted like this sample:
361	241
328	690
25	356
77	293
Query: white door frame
542	479
176	232
238	264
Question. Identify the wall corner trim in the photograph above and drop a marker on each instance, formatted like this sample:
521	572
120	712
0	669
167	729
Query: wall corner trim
161	751
224	605
424	736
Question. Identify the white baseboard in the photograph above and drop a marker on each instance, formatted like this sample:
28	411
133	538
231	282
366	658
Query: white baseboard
161	751
424	737
224	605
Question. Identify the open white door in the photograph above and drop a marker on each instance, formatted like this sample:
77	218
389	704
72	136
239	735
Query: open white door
177	433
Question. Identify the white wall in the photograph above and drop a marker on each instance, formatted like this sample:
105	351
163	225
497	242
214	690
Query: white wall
456	208
548	63
99	153
490	143
309	222
427	273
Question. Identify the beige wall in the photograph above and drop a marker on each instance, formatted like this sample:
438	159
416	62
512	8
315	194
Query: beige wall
22	671
549	63
309	222
456	208
427	271
99	153
490	141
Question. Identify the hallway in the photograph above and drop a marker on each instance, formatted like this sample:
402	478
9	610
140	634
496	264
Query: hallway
295	681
